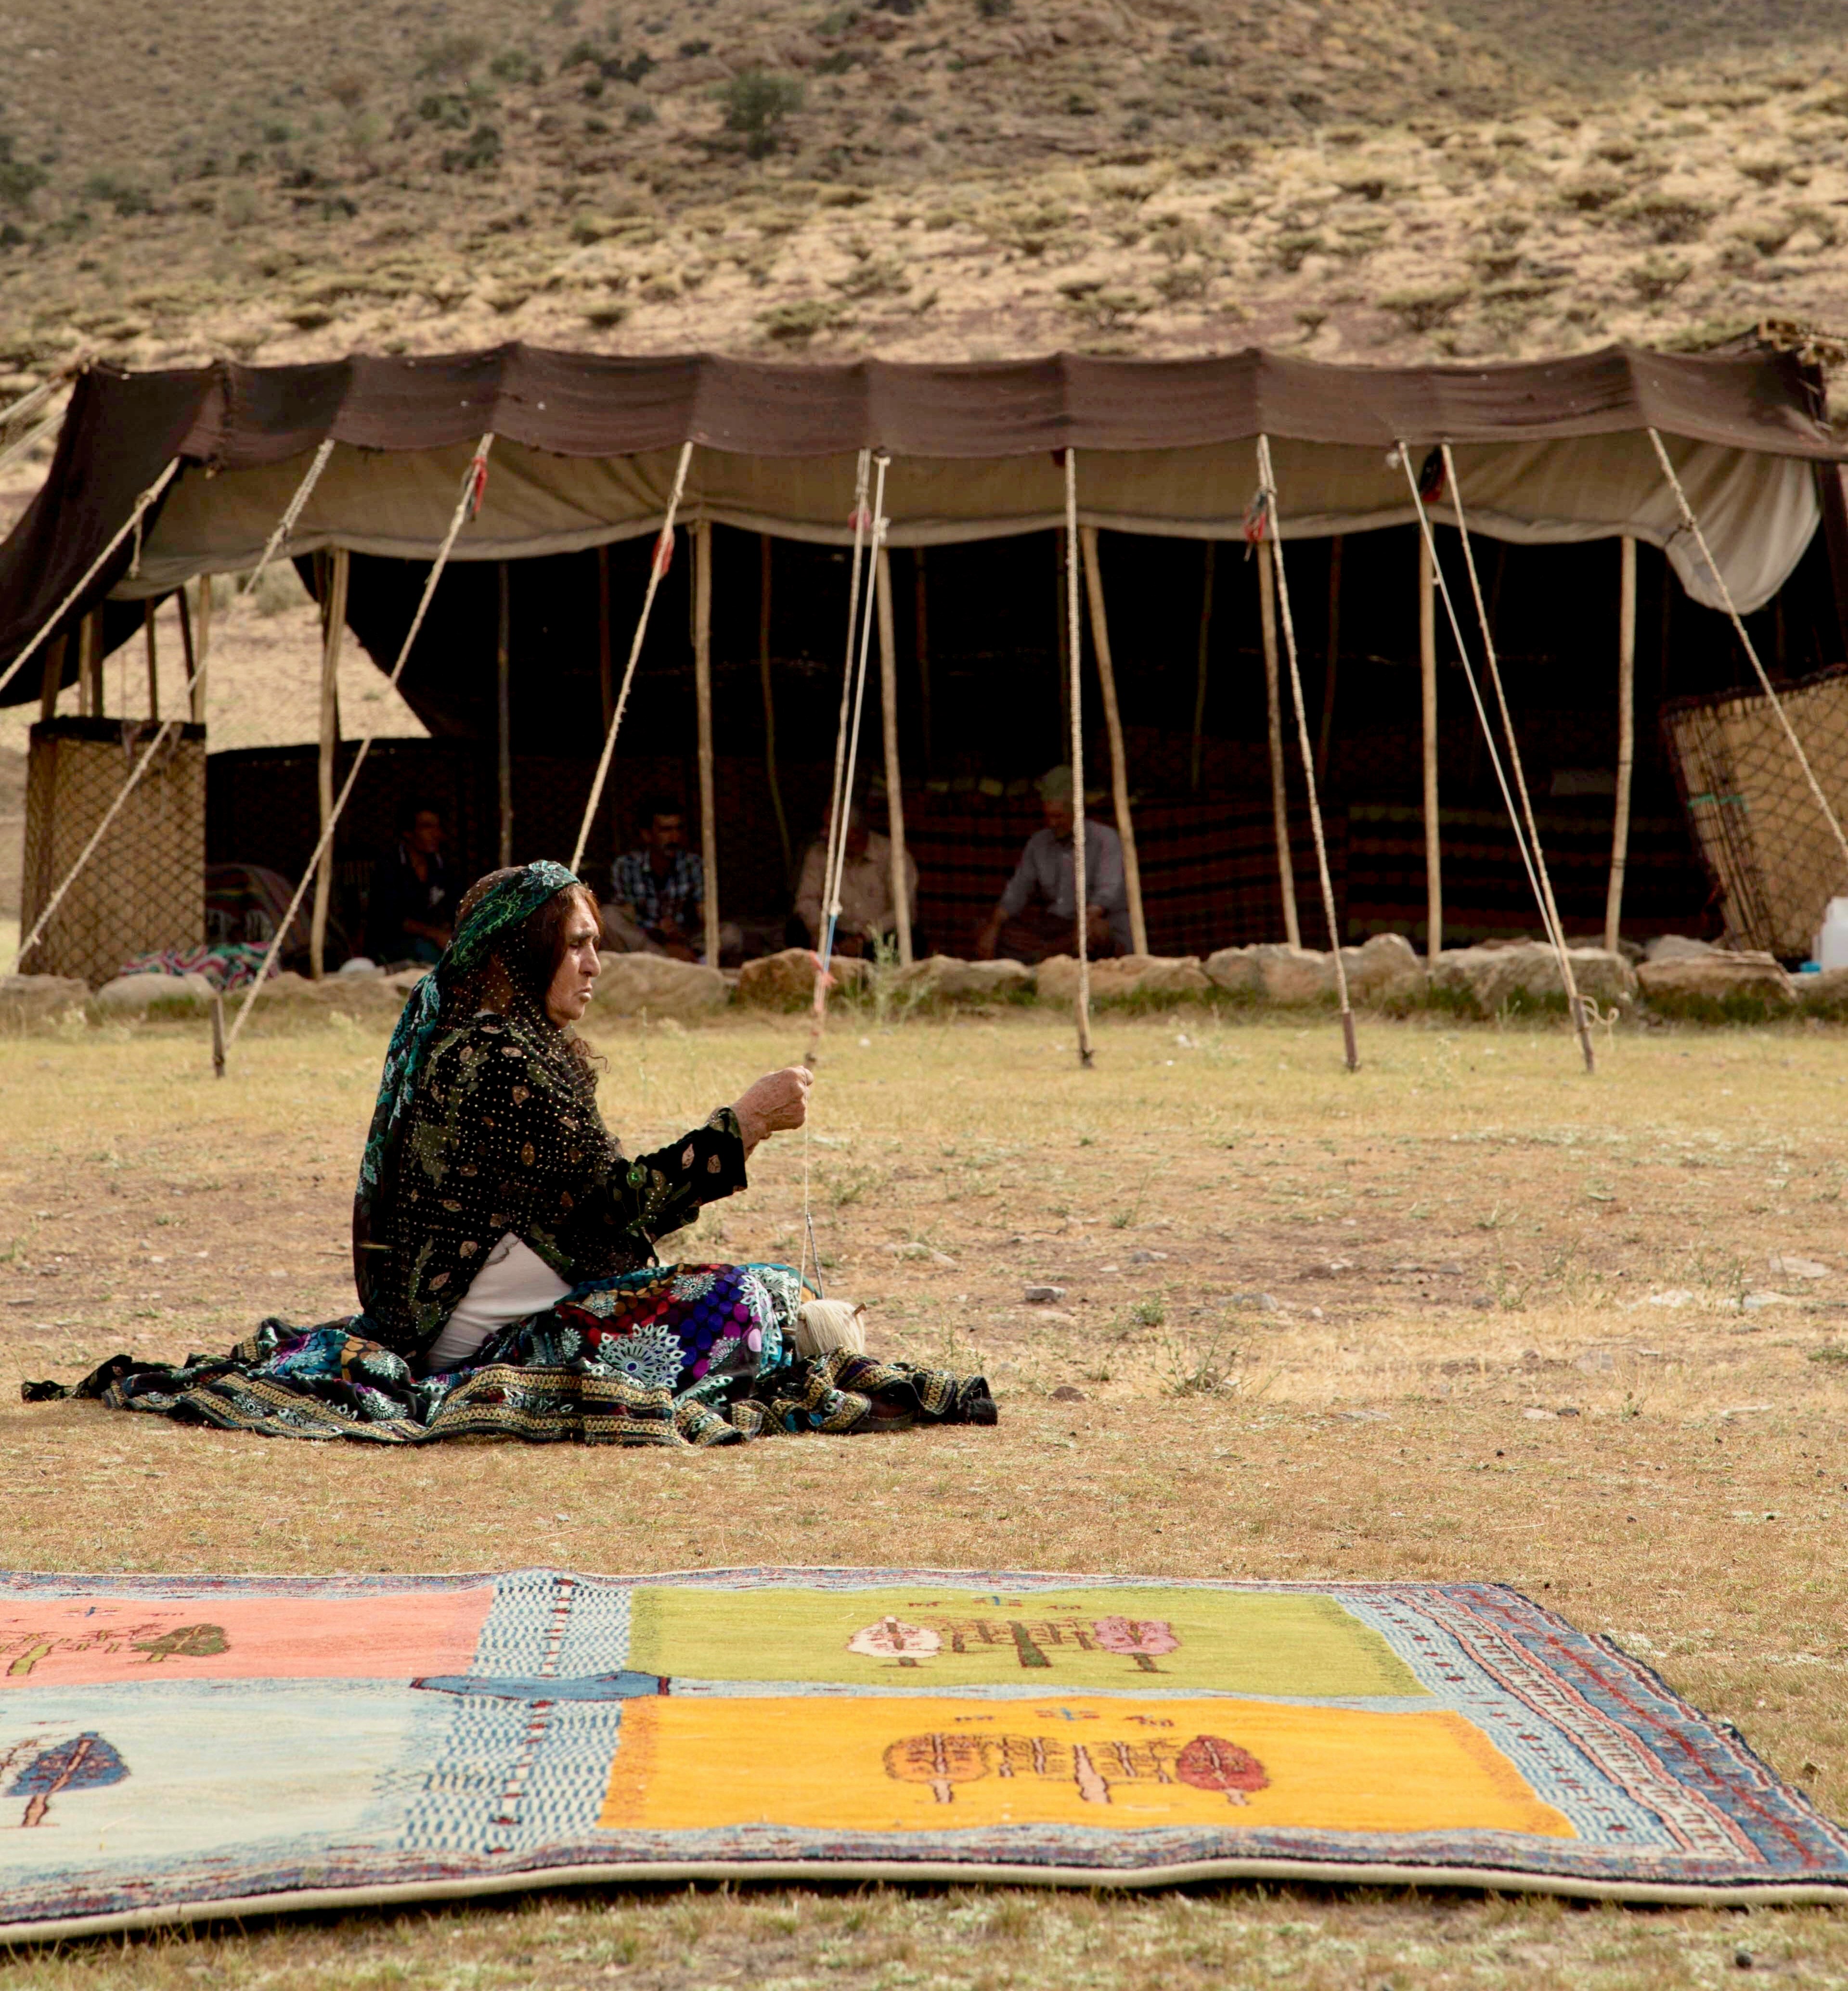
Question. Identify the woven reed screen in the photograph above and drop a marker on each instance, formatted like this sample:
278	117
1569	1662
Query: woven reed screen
1768	844
144	887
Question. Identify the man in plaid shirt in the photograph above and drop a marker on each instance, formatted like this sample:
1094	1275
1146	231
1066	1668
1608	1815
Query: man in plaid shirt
659	896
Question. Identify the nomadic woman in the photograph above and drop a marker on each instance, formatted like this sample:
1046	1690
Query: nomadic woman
503	1245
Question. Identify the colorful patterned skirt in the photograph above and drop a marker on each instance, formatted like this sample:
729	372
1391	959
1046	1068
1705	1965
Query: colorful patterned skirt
671	1354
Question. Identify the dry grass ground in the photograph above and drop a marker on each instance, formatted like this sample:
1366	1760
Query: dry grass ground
1520	1325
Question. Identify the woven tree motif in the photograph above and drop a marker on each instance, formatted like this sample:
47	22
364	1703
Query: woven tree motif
185	1642
943	1761
85	1762
1142	1639
1211	1763
891	1638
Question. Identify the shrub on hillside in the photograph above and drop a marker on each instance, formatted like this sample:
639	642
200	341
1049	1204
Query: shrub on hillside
756	104
19	178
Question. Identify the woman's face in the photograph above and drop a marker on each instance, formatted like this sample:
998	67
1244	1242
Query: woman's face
569	996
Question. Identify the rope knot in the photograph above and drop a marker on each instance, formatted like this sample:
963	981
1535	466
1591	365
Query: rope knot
475	484
1257	520
663	552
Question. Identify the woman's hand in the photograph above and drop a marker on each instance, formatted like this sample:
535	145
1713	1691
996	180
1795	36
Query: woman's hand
777	1101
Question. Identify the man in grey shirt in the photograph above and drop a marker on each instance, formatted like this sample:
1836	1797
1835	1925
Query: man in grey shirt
1038	913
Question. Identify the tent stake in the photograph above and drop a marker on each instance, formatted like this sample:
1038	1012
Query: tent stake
1626	742
702	685
334	627
1280	803
504	713
763	673
1120	778
1427	680
1200	666
888	718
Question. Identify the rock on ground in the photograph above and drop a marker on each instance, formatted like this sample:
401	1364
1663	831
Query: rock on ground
136	995
1164	976
632	982
1386	972
786	981
26	999
942	977
1742	986
1677	946
1484	979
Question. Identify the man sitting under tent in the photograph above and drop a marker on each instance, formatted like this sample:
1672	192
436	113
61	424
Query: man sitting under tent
1037	915
658	900
867	913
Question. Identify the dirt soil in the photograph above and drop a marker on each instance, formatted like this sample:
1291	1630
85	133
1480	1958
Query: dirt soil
1468	1314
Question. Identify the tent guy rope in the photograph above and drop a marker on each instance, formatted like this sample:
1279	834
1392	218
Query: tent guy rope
658	567
130	524
1274	533
1555	939
1075	652
836	825
1726	595
846	753
286	525
1552	909
836	856
475	481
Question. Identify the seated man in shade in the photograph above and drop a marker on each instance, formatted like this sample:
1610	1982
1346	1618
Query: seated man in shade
411	905
1037	913
867	913
658	900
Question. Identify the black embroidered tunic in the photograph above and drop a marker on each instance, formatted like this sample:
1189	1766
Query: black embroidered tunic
504	1136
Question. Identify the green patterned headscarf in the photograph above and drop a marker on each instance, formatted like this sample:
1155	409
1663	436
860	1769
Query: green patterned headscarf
502	909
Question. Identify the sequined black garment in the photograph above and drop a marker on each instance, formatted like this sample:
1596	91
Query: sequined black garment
503	1135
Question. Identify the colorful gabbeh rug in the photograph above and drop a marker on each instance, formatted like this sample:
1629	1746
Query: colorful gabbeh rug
173	1747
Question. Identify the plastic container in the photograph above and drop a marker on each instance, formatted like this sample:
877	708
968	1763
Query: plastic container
1832	942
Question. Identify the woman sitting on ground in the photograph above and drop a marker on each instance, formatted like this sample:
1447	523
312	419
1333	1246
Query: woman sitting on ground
503	1245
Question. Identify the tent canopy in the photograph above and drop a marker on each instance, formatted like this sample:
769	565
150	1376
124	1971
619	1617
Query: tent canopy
586	445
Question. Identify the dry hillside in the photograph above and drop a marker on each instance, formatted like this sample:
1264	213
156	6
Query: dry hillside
916	177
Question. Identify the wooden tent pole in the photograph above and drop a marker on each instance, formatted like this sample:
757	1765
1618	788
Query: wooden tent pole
1200	667
888	719
90	665
1326	733
1061	563
153	661
1074	650
334	612
702	683
188	655
51	679
605	676
1280	803
1427	676
202	657
1626	741
921	604
504	713
1120	778
763	673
